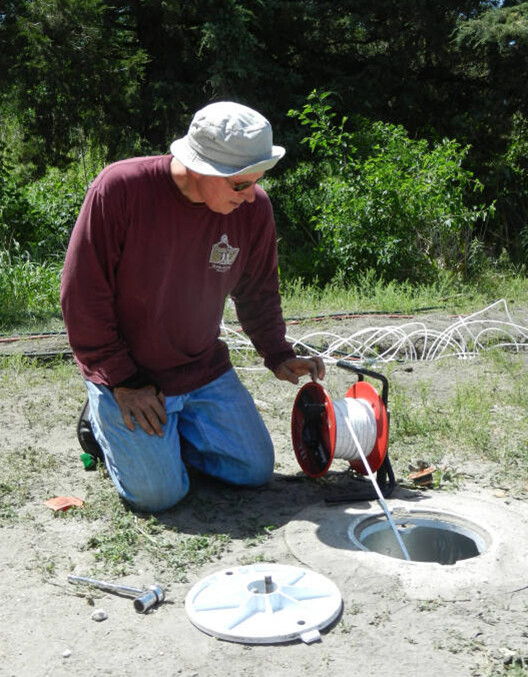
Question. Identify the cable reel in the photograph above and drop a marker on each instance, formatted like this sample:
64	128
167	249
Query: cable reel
320	429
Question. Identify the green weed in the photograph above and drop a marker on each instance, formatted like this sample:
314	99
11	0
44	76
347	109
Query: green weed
260	533
370	293
23	473
122	534
515	667
483	417
29	290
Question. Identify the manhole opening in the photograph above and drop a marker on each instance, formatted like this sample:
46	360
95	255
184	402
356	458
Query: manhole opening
431	537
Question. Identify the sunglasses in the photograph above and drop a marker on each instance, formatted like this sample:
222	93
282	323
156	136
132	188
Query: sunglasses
237	187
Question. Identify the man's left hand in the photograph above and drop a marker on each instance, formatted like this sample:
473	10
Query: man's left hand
290	370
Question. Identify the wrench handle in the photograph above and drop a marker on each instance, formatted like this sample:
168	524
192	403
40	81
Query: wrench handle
103	585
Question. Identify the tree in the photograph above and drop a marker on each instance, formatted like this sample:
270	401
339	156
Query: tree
77	75
493	49
126	76
380	201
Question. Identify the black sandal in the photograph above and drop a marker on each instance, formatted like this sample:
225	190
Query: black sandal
90	446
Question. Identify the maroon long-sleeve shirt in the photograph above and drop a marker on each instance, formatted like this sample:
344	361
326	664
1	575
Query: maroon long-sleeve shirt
147	274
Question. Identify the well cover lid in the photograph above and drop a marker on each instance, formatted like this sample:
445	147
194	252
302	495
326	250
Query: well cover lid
264	604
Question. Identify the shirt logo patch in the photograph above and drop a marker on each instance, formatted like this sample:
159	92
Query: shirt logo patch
223	255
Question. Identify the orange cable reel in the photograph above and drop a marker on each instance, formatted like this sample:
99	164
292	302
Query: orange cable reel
320	430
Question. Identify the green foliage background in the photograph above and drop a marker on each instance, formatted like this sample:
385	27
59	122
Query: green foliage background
374	199
414	165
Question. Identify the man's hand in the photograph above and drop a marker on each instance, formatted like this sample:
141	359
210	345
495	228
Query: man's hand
143	404
291	369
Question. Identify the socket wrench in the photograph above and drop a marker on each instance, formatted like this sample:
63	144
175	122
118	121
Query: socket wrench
143	599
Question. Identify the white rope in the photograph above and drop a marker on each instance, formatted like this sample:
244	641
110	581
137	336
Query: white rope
360	412
465	338
381	498
356	433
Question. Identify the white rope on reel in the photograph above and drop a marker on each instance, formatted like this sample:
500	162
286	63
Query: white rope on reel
360	415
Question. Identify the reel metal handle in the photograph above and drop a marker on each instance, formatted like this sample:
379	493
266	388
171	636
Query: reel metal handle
361	372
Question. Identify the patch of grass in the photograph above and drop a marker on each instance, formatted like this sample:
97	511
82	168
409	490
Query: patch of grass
178	553
259	533
248	560
301	299
516	667
483	417
122	535
14	365
44	563
417	414
17	368
29	290
57	390
23	472
448	294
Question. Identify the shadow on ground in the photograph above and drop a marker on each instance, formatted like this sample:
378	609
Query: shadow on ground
214	507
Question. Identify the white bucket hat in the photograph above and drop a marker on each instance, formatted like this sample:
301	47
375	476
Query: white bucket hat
227	139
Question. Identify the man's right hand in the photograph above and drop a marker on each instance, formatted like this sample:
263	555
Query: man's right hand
143	405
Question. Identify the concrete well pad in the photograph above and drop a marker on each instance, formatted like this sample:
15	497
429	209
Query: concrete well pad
319	537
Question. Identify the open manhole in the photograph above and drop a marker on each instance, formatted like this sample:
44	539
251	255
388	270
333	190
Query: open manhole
429	536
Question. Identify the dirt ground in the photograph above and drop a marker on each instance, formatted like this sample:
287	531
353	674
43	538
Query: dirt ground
46	623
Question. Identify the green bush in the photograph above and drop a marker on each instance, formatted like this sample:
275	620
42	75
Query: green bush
14	208
28	289
37	214
513	199
55	200
36	219
374	199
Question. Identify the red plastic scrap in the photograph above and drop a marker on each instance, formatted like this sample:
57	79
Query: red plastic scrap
64	502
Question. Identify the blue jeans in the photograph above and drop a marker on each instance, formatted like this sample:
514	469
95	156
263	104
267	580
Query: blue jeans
215	429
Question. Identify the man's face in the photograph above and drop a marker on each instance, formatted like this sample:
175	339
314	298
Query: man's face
221	195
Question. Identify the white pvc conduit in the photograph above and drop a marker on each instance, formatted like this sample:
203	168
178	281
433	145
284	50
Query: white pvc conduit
492	327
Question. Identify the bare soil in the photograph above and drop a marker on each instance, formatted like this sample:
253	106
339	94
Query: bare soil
46	623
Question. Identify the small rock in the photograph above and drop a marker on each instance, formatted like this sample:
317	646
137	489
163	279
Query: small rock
99	615
66	653
261	405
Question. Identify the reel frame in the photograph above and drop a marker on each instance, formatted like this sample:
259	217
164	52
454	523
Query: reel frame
313	427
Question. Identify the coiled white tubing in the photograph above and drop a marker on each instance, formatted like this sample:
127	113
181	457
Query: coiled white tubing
361	417
412	341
